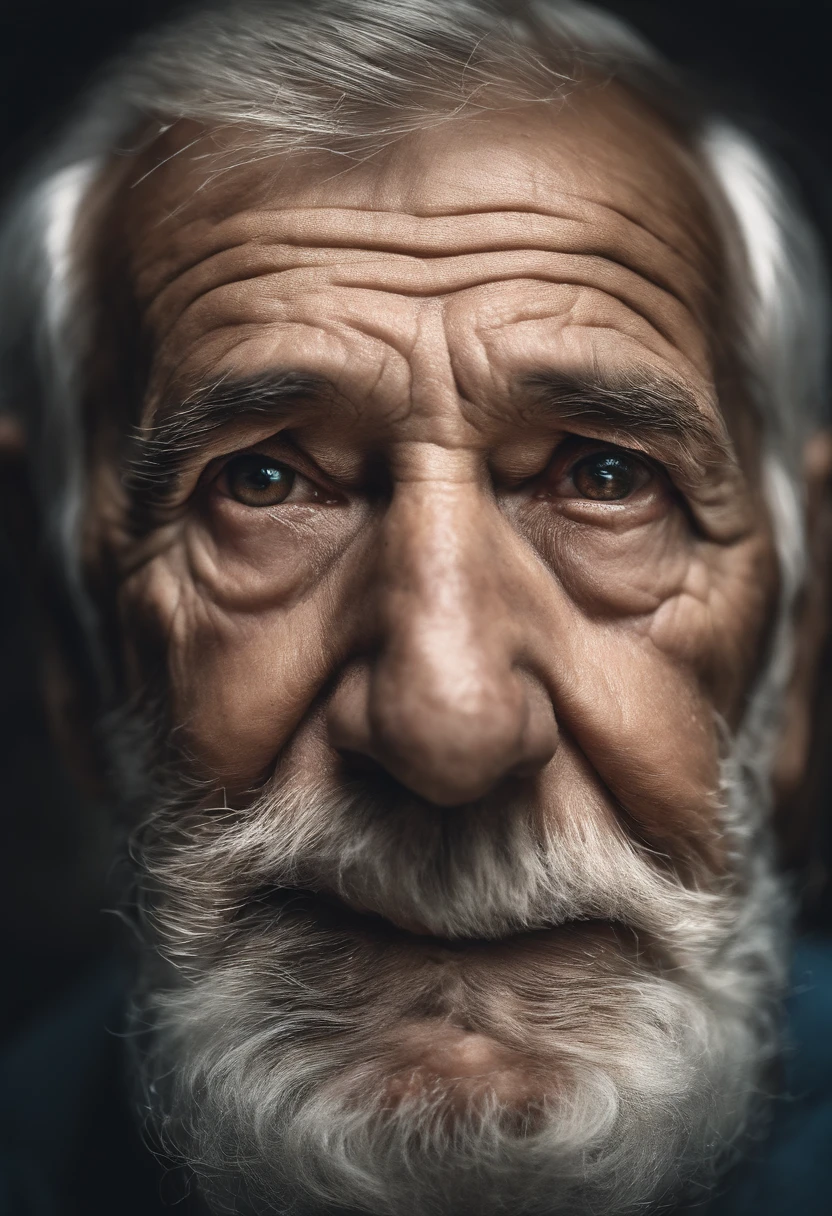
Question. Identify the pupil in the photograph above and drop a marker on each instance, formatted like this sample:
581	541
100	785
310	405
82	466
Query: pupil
606	477
265	475
258	481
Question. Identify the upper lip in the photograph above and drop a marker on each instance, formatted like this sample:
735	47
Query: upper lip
330	911
334	912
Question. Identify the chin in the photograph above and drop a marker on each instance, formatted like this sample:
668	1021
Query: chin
327	1059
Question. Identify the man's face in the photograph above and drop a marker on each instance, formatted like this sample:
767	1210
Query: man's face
448	536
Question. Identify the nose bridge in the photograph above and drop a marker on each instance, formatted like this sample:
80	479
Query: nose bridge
439	585
450	713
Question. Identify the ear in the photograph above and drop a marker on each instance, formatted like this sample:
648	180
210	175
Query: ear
801	767
12	440
17	506
64	675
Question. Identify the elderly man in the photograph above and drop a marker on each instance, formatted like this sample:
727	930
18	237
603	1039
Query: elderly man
418	400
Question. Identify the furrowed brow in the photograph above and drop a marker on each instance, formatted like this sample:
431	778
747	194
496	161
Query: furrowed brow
642	405
183	427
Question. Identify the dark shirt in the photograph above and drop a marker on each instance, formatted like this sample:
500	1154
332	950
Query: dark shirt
69	1147
789	1173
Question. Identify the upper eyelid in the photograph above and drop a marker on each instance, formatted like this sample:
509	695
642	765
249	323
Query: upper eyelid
593	444
293	461
285	452
655	466
586	446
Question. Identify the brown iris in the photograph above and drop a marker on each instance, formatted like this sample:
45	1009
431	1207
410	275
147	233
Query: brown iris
258	481
606	476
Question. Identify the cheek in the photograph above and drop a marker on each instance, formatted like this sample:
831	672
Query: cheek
707	607
243	559
237	684
611	565
246	621
242	685
659	634
647	736
721	618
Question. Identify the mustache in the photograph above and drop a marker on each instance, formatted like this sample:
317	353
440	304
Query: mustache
488	870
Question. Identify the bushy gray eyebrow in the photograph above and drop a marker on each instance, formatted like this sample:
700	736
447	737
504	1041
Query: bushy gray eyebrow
182	428
640	404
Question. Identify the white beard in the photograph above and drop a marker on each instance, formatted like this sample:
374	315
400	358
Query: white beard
286	1054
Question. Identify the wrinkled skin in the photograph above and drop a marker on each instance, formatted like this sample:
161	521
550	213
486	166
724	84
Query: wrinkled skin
437	596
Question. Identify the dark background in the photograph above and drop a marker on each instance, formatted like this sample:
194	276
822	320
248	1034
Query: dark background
768	63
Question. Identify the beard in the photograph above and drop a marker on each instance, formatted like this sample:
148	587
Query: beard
360	1001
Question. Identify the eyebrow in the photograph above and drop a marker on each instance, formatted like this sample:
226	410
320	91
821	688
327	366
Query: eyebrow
181	428
641	404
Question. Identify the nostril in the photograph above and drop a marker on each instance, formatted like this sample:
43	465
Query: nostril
395	781
448	733
452	742
363	774
360	765
395	793
530	767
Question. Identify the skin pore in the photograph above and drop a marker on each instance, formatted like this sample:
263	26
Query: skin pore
444	479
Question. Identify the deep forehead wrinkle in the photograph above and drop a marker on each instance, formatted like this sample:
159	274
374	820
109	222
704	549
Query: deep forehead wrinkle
604	150
609	214
218	291
254	242
202	307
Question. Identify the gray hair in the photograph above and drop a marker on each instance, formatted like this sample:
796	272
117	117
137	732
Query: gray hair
349	76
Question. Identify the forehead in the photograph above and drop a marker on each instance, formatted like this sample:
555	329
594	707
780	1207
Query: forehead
599	177
600	146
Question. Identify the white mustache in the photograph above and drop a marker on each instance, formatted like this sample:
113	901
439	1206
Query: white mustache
486	871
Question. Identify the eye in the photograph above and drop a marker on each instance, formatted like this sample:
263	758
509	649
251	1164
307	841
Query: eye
258	481
609	476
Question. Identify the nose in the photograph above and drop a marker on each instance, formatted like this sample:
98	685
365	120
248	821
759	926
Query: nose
449	704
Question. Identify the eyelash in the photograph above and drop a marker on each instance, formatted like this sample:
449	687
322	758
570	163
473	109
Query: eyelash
573	451
212	477
577	451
